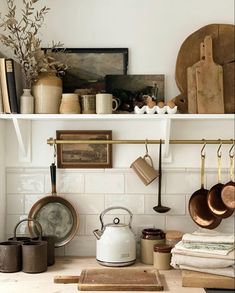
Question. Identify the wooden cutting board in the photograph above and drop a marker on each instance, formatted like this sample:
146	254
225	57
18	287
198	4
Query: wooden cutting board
203	280
223	36
191	82
115	279
209	81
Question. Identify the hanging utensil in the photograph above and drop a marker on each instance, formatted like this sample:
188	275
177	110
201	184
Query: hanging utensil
159	208
228	191
56	215
198	207
214	200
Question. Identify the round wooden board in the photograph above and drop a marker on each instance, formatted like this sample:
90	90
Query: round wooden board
223	53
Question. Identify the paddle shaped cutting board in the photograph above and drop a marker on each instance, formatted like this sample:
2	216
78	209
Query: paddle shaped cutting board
209	80
191	82
116	279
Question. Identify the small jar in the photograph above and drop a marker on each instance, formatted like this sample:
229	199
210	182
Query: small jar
149	238
162	256
173	237
26	102
70	104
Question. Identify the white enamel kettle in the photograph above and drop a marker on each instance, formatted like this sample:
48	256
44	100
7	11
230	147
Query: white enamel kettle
116	243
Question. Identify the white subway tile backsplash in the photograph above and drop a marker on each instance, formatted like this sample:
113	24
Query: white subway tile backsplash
15	204
81	246
25	183
176	202
11	222
212	179
87	203
82	225
182	183
134	185
30	200
104	183
141	222
68	182
181	223
135	203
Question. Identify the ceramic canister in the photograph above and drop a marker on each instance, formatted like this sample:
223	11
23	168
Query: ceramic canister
70	104
149	238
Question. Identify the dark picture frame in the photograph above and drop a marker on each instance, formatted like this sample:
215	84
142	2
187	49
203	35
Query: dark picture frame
84	155
87	67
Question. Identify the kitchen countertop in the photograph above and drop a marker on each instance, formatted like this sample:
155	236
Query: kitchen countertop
43	283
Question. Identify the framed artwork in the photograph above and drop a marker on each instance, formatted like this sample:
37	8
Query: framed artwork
84	155
87	68
131	89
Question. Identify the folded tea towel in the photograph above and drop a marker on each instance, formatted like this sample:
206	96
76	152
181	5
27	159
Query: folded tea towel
183	251
227	272
208	236
200	262
213	248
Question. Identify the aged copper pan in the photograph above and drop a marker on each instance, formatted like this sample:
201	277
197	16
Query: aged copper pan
56	215
214	199
198	207
228	191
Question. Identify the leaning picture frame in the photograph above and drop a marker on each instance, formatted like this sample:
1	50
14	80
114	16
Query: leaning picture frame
84	155
87	67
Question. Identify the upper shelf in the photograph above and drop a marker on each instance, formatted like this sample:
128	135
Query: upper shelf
118	116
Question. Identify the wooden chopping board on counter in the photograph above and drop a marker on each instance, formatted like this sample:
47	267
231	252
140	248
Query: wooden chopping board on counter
203	280
223	36
116	279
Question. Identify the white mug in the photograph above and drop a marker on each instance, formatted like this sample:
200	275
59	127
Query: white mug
105	103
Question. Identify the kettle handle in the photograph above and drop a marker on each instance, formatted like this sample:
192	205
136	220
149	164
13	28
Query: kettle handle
114	208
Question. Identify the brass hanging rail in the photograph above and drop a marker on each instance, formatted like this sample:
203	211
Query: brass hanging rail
52	141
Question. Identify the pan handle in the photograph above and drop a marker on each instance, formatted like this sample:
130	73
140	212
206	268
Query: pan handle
53	178
28	220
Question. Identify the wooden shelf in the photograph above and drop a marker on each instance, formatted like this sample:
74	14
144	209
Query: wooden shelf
118	116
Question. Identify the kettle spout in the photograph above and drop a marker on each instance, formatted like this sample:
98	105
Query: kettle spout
98	233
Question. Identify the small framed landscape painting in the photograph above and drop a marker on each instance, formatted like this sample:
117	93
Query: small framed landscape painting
84	155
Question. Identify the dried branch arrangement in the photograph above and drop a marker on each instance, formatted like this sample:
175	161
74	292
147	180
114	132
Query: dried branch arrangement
20	33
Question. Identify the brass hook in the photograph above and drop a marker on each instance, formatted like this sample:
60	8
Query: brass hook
146	147
219	153
54	151
231	154
203	153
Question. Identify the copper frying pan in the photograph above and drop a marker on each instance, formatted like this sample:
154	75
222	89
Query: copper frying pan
56	215
198	207
214	200
228	191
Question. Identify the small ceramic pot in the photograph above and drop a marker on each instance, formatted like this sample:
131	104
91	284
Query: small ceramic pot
70	104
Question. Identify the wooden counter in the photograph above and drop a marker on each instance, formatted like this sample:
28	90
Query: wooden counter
43	283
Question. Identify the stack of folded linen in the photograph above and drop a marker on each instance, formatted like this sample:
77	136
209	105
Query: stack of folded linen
205	251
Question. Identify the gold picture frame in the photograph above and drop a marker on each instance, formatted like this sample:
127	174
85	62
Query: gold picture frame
84	155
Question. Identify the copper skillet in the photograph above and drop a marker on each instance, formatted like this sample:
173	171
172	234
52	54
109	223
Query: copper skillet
228	191
56	215
214	199
198	207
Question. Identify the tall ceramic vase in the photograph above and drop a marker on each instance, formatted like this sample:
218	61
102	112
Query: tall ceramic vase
47	91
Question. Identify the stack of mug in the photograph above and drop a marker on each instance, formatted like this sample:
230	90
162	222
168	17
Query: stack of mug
102	103
31	255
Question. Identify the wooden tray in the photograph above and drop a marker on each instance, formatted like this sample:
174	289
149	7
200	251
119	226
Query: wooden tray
203	280
117	279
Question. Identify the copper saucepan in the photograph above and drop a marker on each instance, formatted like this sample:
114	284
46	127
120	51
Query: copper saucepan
198	207
56	215
228	191
214	200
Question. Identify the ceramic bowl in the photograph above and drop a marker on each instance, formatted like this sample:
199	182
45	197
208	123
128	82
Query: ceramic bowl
151	110
161	110
138	110
171	110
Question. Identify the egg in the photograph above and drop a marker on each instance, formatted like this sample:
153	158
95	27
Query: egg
171	104
160	104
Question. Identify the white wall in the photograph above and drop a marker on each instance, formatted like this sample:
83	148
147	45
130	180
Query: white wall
153	30
2	180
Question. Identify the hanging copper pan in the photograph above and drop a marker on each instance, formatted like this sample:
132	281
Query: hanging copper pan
56	215
214	199
198	207
228	191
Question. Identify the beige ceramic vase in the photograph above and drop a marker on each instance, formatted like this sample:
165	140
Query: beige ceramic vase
47	91
70	104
